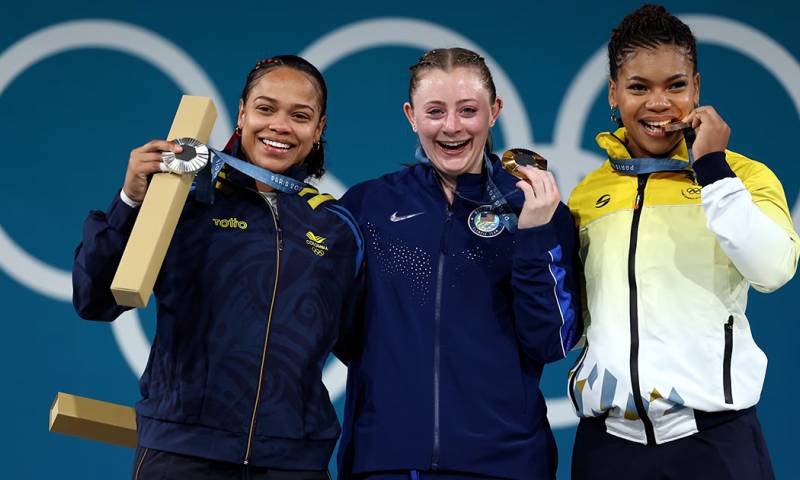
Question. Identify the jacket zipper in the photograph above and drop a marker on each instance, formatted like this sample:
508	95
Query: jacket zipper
278	248
726	364
634	313
436	340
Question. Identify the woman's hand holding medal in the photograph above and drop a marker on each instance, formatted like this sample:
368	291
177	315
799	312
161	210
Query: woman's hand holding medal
538	185
711	130
143	162
541	196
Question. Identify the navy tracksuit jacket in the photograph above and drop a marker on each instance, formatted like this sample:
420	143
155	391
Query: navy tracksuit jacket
250	304
458	323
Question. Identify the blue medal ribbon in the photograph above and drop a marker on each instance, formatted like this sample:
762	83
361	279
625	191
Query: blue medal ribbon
206	178
636	166
499	203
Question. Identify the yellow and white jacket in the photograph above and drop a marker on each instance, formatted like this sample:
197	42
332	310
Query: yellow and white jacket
668	262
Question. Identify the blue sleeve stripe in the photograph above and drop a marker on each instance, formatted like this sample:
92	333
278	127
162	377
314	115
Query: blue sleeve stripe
563	300
353	223
350	221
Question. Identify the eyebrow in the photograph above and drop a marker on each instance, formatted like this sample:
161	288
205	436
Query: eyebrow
440	102
637	78
273	100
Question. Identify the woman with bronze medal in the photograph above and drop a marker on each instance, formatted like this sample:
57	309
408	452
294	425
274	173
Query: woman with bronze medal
674	230
252	297
470	290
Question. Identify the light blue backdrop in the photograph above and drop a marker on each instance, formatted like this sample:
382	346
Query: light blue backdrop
82	83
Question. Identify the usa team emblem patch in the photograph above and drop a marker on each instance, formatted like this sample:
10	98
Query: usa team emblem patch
484	222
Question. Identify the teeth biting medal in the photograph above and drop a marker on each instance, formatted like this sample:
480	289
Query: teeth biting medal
674	127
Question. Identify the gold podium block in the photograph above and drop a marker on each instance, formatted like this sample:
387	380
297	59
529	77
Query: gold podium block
147	246
93	420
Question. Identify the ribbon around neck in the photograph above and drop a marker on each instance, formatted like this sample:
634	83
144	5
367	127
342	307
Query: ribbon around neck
206	178
499	203
638	166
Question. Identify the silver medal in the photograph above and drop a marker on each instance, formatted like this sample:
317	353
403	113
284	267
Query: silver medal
194	157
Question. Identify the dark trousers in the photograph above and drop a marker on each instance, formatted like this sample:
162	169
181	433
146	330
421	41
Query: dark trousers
157	465
729	446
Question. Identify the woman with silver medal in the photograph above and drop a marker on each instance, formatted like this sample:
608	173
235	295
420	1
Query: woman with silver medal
254	293
470	290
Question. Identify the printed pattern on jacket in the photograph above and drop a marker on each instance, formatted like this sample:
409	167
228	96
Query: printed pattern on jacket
235	370
666	291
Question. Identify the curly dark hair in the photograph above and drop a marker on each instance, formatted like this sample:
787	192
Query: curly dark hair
648	27
315	161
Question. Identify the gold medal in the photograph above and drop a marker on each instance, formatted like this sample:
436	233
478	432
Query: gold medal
519	156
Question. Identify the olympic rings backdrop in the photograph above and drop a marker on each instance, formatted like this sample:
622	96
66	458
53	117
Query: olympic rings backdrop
82	83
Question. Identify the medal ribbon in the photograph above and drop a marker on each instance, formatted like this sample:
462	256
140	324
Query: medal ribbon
636	166
499	203
206	178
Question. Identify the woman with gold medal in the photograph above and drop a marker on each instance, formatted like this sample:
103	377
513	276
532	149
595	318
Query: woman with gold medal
470	290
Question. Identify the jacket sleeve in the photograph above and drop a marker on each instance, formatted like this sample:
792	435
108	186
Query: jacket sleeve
546	295
349	344
750	219
96	258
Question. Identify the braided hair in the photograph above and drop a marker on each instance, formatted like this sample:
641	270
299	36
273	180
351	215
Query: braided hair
648	27
315	161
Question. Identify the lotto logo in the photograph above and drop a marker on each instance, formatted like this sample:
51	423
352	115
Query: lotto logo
232	222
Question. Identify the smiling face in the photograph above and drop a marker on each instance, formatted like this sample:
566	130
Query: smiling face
452	112
654	87
280	119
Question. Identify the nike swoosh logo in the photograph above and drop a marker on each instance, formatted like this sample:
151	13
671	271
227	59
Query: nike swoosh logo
399	218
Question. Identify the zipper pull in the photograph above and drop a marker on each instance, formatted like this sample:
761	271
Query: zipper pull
639	191
278	230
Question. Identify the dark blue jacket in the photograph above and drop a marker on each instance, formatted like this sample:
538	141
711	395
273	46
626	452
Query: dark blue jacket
457	327
235	369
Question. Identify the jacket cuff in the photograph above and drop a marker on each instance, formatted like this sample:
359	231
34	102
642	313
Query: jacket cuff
712	167
533	243
121	216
